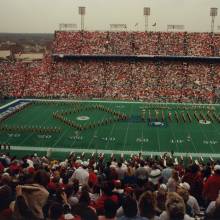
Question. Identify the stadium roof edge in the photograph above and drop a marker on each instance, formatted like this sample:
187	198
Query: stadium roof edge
137	57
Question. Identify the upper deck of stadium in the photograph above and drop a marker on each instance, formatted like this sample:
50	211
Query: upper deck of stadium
136	43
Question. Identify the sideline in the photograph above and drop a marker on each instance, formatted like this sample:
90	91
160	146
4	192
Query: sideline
10	103
144	153
116	101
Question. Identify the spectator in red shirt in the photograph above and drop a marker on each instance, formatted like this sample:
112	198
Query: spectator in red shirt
1	168
92	176
194	178
106	194
212	185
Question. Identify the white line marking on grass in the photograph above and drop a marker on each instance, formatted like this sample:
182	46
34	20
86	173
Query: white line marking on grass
200	126
142	135
158	140
188	129
61	136
110	134
216	129
31	134
17	121
126	134
80	150
173	133
95	137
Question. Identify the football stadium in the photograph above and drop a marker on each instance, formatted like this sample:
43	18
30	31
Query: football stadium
113	117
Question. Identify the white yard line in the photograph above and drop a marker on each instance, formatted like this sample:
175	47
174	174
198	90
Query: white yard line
30	135
187	129
126	134
94	136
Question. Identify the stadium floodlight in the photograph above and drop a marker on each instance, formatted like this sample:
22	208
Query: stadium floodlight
82	12
213	14
146	15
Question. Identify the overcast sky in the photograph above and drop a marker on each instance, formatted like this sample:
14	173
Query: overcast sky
44	16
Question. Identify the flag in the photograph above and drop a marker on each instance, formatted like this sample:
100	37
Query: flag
155	24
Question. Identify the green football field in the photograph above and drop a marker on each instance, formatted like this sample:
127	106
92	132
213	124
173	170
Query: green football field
114	127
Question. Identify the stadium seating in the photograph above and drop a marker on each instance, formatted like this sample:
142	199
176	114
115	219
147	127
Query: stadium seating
128	43
144	80
68	189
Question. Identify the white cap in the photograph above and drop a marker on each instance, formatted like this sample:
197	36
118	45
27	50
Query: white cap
185	185
155	176
85	163
217	167
163	186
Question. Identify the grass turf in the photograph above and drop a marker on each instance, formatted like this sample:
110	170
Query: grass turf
133	134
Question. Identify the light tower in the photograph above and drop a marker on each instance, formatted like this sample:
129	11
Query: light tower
82	12
146	15
213	14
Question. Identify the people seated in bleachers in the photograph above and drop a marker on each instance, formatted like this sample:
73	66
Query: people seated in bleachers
38	188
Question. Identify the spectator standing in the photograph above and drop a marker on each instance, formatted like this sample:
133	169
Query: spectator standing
81	174
212	185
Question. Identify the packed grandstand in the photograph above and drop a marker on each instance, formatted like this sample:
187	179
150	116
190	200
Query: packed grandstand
146	66
127	77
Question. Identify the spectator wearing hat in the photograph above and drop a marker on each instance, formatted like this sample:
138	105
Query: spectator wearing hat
185	195
155	176
192	201
212	185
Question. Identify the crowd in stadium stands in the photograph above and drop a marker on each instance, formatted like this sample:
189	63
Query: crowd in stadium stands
125	80
136	188
167	81
131	43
